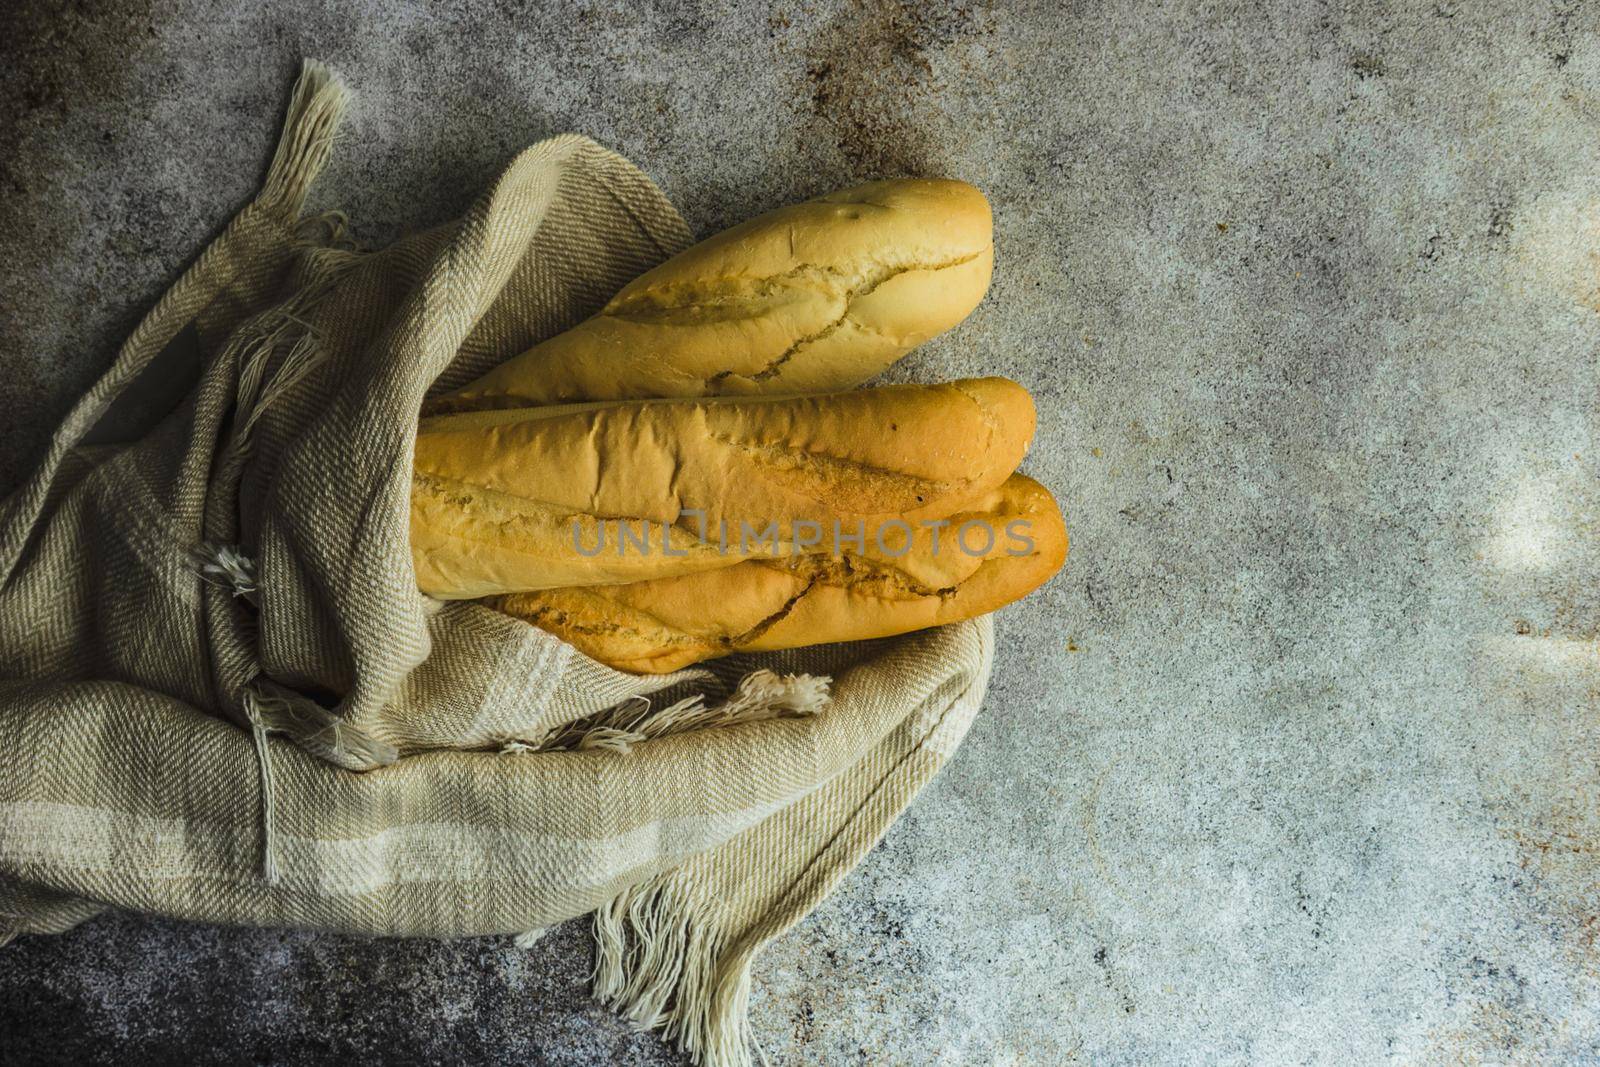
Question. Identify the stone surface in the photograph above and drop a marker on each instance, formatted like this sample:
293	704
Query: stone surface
1297	759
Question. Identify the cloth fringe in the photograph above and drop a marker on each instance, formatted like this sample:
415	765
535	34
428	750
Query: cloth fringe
315	110
255	345
660	964
318	730
660	959
761	695
263	381
328	229
227	566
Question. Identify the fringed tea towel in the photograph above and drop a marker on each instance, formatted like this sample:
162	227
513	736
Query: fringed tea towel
223	699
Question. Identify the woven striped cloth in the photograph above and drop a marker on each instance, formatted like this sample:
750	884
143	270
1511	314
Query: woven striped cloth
222	697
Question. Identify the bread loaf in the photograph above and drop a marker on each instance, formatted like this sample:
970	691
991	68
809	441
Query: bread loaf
814	297
758	605
520	500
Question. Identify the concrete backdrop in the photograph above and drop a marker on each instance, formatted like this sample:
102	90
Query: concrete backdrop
1295	762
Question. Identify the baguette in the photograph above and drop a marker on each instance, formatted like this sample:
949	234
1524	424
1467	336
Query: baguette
512	501
815	297
760	605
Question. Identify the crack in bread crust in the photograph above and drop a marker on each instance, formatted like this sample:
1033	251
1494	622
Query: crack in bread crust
658	303
860	573
491	517
562	622
734	298
771	620
830	469
774	368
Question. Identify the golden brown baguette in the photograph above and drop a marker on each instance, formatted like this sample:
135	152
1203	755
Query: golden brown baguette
496	495
759	605
812	298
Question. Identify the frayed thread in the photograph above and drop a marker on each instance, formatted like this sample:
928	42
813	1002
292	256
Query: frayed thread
226	566
660	964
259	730
315	111
282	326
662	957
327	229
271	708
318	730
761	695
278	709
264	380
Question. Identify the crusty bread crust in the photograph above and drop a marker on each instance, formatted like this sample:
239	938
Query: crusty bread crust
814	297
494	500
760	605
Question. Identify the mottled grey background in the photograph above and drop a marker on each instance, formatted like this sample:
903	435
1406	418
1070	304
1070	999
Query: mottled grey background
1297	761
